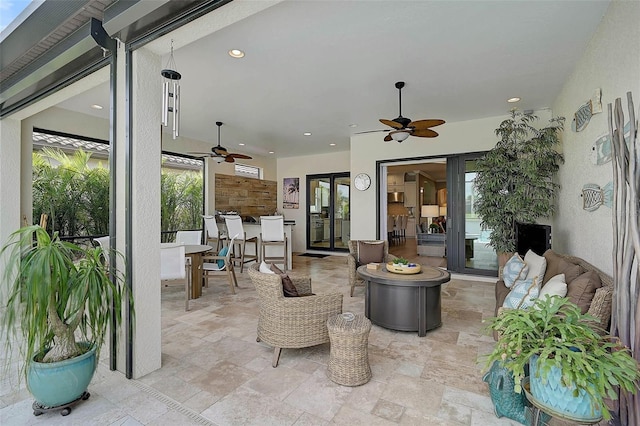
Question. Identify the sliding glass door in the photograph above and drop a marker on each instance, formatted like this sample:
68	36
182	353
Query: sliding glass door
328	216
467	248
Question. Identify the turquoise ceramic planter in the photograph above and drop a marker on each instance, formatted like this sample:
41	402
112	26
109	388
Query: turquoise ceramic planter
559	398
57	383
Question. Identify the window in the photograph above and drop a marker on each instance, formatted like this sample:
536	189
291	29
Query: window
248	171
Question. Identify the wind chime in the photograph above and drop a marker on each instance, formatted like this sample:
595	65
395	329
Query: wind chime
171	95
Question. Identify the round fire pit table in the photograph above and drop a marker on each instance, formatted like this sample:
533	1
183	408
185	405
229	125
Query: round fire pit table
349	358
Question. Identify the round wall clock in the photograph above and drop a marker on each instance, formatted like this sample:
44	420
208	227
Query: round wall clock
362	181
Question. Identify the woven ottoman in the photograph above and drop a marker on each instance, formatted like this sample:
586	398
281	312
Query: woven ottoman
349	359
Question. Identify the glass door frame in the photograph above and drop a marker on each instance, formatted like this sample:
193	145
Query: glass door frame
456	216
331	210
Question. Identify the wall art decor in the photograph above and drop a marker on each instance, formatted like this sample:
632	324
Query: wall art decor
601	149
291	193
593	196
586	111
625	318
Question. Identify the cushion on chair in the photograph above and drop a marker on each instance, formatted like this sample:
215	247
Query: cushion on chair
513	270
556	286
370	252
222	252
523	294
557	265
288	288
537	265
264	268
581	290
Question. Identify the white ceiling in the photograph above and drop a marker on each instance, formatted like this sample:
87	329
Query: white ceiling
319	66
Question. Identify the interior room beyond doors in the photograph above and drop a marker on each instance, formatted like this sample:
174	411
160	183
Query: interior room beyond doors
328	211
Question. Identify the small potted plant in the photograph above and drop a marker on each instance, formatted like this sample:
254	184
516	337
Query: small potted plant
61	302
566	353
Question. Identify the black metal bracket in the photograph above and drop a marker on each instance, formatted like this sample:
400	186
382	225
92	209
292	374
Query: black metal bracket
101	37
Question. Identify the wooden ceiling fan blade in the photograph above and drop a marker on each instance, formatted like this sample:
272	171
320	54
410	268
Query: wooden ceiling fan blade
425	124
220	150
246	157
388	138
424	133
229	159
391	123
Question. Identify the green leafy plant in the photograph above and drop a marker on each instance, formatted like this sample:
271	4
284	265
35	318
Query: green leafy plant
514	180
59	294
555	330
401	261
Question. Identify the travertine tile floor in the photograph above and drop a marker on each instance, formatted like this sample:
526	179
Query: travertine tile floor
214	372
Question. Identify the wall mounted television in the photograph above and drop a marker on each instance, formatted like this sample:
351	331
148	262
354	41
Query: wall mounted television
532	236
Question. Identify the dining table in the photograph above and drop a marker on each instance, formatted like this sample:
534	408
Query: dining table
194	252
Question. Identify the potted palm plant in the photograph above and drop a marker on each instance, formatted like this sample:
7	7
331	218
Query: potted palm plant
61	301
514	180
573	367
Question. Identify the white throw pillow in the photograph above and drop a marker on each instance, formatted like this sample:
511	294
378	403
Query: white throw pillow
556	286
523	294
264	268
513	270
537	265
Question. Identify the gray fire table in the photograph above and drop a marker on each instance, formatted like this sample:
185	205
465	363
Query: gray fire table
404	302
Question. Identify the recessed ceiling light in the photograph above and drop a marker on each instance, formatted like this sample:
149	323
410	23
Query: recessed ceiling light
307	133
241	144
512	100
96	106
332	144
236	53
271	152
353	125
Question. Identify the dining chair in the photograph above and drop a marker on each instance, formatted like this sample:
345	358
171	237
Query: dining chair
272	234
103	242
213	233
189	237
234	227
173	266
220	264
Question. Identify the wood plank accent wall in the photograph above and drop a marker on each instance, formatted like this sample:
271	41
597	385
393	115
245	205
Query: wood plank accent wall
247	196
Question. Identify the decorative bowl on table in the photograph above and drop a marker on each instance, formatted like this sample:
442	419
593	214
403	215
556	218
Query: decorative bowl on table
403	268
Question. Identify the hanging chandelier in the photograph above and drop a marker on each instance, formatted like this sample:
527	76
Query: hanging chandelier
171	95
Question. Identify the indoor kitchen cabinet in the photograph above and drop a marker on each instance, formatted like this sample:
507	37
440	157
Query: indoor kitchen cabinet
410	194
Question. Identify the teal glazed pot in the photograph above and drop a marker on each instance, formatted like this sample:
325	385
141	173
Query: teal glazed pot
57	383
559	398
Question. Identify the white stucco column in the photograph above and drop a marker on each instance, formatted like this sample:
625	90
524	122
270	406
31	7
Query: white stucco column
9	184
144	211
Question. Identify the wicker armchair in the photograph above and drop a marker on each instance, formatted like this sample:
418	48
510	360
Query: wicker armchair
291	322
352	261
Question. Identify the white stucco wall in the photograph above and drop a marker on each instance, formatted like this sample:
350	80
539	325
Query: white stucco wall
612	63
300	167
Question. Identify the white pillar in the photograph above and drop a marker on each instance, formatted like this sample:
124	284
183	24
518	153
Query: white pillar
9	184
144	212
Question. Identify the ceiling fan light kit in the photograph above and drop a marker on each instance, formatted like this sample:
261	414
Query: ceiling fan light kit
403	127
219	153
171	95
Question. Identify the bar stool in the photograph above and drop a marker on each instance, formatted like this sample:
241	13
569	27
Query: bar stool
272	234
234	227
213	233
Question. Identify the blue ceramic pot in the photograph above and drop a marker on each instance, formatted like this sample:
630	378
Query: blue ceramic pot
57	383
559	398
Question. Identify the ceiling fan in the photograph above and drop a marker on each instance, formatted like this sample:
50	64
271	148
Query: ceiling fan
403	127
219	152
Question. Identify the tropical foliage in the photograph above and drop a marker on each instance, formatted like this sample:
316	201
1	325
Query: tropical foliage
59	294
75	195
514	180
557	332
